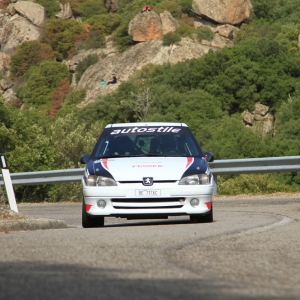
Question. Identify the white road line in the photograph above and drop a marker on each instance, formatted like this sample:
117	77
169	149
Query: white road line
284	221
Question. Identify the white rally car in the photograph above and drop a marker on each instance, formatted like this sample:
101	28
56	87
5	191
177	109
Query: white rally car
146	170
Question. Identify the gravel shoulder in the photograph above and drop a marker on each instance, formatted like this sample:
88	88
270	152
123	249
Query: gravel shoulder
13	221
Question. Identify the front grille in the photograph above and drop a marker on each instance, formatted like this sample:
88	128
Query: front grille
147	203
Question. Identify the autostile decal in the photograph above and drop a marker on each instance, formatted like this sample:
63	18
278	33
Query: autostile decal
161	129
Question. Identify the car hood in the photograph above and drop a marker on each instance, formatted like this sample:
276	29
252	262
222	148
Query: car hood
135	168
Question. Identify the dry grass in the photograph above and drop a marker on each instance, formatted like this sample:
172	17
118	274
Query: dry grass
7	214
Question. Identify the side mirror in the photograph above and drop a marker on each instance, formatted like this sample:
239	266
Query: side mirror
85	158
209	157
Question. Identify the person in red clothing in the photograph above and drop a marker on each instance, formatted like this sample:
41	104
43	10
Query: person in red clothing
146	8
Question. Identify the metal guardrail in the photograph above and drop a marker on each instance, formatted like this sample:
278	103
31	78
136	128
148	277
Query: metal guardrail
256	165
44	177
218	167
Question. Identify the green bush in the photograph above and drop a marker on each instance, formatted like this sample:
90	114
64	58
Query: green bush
75	97
95	40
51	6
204	33
71	101
121	36
71	138
64	192
288	36
40	82
186	6
185	29
61	34
170	38
252	184
28	54
171	6
106	23
84	64
283	11
89	8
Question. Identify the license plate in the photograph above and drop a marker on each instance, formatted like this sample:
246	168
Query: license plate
147	193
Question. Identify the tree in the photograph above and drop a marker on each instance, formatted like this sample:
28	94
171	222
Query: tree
71	138
61	34
41	81
6	121
29	54
141	103
230	139
51	6
59	95
89	8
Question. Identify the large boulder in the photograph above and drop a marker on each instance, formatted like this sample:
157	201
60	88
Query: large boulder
149	26
127	63
220	42
146	27
5	62
4	18
259	120
11	97
227	31
169	24
66	11
34	12
223	11
16	31
5	84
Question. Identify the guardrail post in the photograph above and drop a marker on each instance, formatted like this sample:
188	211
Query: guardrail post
8	184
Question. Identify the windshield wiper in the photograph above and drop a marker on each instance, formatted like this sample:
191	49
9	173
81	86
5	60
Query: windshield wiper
142	155
147	154
113	156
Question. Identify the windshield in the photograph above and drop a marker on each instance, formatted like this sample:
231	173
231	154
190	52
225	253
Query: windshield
125	143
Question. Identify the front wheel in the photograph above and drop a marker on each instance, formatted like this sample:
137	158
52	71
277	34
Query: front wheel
208	218
90	222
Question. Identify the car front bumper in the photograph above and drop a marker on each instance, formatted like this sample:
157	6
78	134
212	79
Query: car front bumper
134	199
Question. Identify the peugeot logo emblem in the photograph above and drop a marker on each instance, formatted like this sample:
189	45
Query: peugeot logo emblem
147	181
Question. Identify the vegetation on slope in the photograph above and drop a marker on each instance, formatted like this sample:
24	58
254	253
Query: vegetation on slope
209	94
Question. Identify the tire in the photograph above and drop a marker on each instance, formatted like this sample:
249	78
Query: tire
208	218
90	222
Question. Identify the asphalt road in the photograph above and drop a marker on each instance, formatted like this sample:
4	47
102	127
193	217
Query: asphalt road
250	251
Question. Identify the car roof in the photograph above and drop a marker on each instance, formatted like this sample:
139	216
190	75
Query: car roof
146	124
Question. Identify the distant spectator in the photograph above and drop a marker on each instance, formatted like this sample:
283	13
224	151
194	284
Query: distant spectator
102	82
146	8
113	79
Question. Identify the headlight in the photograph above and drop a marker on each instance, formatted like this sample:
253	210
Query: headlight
195	179
93	180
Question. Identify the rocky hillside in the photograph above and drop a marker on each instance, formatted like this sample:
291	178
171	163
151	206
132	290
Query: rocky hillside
22	21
